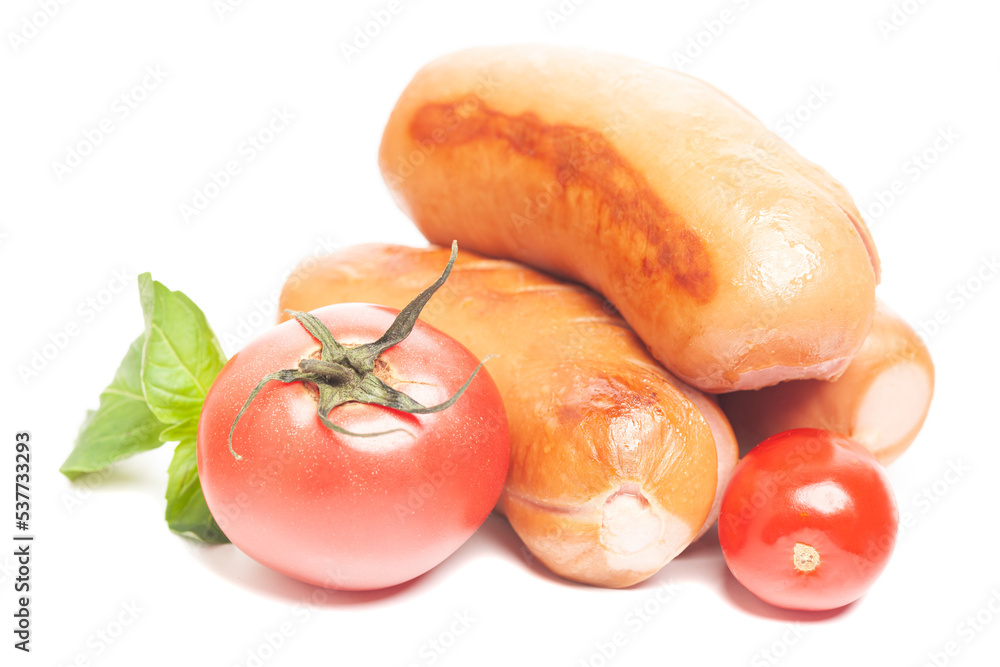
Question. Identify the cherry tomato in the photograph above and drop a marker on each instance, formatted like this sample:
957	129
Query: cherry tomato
808	520
348	511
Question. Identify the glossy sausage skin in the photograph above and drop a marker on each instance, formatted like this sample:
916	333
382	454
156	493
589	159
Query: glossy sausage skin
881	400
738	262
613	468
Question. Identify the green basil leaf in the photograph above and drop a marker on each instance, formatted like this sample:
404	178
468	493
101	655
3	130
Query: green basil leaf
182	431
187	512
181	355
121	426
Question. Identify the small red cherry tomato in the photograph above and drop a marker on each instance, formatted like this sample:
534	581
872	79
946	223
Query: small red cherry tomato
808	520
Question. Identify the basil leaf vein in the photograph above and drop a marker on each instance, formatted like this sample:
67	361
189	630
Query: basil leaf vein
181	355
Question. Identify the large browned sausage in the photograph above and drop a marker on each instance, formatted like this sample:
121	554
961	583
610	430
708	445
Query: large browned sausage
738	262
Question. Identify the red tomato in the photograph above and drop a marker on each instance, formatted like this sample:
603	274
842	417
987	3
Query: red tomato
808	520
343	511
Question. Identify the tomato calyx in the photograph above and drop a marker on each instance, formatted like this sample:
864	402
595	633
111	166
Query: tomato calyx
343	374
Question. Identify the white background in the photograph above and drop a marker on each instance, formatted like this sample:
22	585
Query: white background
100	551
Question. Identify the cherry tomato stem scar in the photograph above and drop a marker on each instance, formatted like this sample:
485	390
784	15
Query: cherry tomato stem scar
805	558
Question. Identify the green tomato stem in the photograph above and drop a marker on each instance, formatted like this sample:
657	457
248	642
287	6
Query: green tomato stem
345	374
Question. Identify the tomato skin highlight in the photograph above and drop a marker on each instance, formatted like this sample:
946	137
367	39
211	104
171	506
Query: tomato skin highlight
349	512
808	520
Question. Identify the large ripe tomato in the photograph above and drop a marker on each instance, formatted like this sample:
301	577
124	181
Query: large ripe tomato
808	520
344	511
